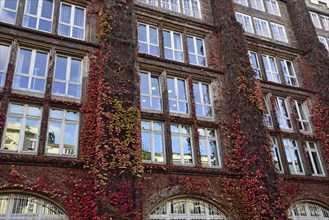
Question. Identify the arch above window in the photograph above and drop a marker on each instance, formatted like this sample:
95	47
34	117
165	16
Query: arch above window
308	211
15	206
187	209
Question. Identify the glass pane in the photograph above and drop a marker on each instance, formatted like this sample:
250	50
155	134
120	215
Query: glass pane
45	25
145	125
20	82
167	39
54	113
2	79
31	7
31	135
169	54
143	48
75	74
12	134
158	148
205	91
155	86
74	90
156	104
64	30
40	64
34	111
8	17
58	88
214	153
72	116
146	146
70	139
38	84
192	59
157	126
78	33
203	152
176	156
174	128
4	55
54	136
173	106
11	4
317	163
177	41
24	60
200	48
16	109
181	89
47	9
187	151
29	22
171	88
153	35
144	87
60	69
154	50
196	92
183	107
65	13
190	45
79	17
142	32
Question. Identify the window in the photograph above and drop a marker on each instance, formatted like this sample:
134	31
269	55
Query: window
38	15
271	69
257	4
208	147
187	209
267	115
192	8
172	5
150	2
293	156
71	21
31	69
8	11
289	73
152	142
181	143
22	129
202	98
4	57
309	211
282	113
303	121
196	51
173	46
314	158
150	92
315	20
324	42
272	7
67	77
276	155
148	39
325	22
255	64
241	2
62	132
262	28
279	32
245	21
177	95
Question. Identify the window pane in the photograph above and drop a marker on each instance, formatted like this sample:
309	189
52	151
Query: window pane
16	109
38	85
60	69
12	134
47	9
11	4
58	114
31	7
24	60
158	148
29	22
54	137
146	146
190	45
142	33
33	111
45	25
40	64
58	88
167	39
70	139
64	30
155	86
20	82
31	135
78	33
73	90
75	75
72	116
153	35
79	17
65	13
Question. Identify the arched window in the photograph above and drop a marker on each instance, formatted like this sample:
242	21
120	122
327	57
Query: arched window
21	207
187	209
308	211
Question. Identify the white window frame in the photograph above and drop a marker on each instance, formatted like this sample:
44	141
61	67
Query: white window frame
31	75
325	22
268	120
67	78
257	69
149	2
257	4
280	114
171	5
202	103
279	32
71	24
24	117
323	41
2	8
188	8
172	48
149	94
182	137
245	21
64	122
289	147
206	138
272	7
302	121
241	2
311	150
262	28
271	72
148	42
177	100
4	71
308	211
196	51
276	155
38	17
152	132
315	19
289	75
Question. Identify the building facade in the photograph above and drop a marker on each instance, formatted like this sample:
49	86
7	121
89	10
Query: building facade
164	109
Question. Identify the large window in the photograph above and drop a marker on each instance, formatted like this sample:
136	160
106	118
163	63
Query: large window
315	20
4	57
325	22
62	133
289	72
272	7
187	209
177	94
245	21
262	28
304	123
148	39
293	156
279	32
309	211
271	69
192	8
31	70
209	147
8	11
173	46
172	5
71	21
257	4
67	77
152	142
255	64
22	129
314	159
181	143
150	92
196	51
276	155
38	15
282	113
202	98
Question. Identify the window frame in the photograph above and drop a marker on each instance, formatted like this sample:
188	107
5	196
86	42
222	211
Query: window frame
325	22
280	32
177	100
272	7
2	8
181	136
293	149
309	151
315	20
148	42
288	75
261	30
196	53
270	72
4	71
246	27
23	124
150	95
202	103
280	114
72	17
300	120
207	139
172	42
257	4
